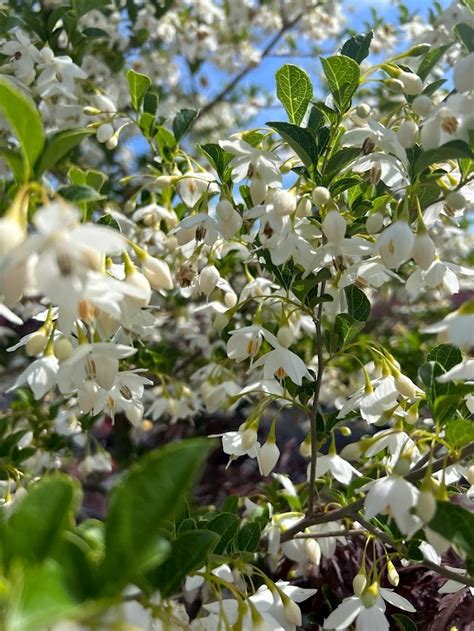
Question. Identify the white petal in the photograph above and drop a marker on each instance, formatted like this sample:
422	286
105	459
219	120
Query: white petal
344	615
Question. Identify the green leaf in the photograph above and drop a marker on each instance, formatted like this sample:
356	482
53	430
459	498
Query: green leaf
460	432
456	524
138	85
358	47
316	120
445	354
300	140
345	183
34	529
346	328
151	493
84	6
218	158
430	60
182	122
59	145
248	537
21	114
465	35
342	74
189	552
404	623
78	193
339	161
14	160
39	598
226	525
110	222
294	90
469	4
358	305
449	151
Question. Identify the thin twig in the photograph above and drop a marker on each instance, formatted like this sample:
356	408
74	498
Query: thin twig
351	509
314	409
251	66
332	533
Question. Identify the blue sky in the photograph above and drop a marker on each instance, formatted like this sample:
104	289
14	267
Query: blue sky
357	12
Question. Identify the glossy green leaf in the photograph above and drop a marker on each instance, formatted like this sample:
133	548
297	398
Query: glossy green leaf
456	524
58	146
294	90
358	305
445	354
218	158
300	140
34	529
449	151
430	60
460	432
21	114
189	553
138	85
465	35
183	122
226	525
148	497
358	47
342	74
346	328
78	193
248	537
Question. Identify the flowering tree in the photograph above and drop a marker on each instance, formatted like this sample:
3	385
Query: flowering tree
309	278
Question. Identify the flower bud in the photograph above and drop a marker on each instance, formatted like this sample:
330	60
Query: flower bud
11	234
363	110
345	431
359	583
395	85
36	343
313	551
407	133
374	223
392	574
422	105
268	457
221	321
112	142
104	132
303	207
370	595
334	227
157	273
412	83
305	447
63	348
224	210
456	200
405	386
321	195
292	612
163	181
258	190
284	202
208	279
230	299
424	250
249	437
285	336
412	414
426	506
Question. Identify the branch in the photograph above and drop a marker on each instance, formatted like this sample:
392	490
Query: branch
251	66
314	409
351	509
442	571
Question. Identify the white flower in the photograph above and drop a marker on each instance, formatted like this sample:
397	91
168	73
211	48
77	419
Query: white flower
368	610
58	76
337	466
451	120
193	184
250	161
395	244
463	75
281	363
397	495
460	372
40	375
23	56
198	227
424	250
458	326
412	83
157	273
244	342
334	227
208	278
268	456
407	133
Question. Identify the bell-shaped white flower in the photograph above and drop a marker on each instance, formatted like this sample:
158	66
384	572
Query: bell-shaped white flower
395	244
424	250
397	495
463	74
208	279
157	273
40	375
334	227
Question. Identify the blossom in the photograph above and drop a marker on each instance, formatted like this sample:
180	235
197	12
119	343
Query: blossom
337	466
395	494
367	610
281	363
249	160
40	375
395	244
